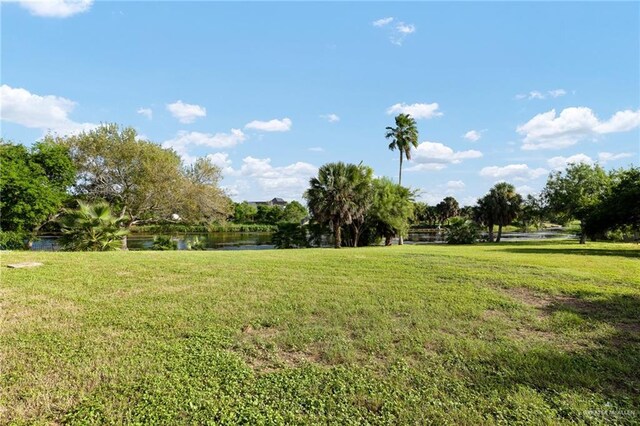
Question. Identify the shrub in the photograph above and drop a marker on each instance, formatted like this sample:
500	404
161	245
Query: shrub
91	227
164	242
290	235
196	243
462	231
12	240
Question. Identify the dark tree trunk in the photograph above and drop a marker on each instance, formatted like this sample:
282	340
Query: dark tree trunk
387	240
583	235
499	233
400	173
490	228
337	235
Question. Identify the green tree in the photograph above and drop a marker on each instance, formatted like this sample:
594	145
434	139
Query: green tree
507	204
485	214
142	180
333	196
576	191
447	208
269	215
619	207
290	235
33	185
244	212
294	212
391	210
403	137
91	227
532	212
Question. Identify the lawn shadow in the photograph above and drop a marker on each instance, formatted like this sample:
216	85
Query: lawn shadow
631	252
608	366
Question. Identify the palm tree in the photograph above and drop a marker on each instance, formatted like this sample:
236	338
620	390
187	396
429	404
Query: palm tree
485	213
403	137
335	196
91	227
507	204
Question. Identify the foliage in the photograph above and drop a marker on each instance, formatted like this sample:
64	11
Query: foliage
525	333
335	196
269	215
195	243
294	212
403	137
391	210
462	231
619	207
173	228
499	207
91	227
244	212
13	240
576	191
144	181
447	209
532	212
33	184
164	242
290	235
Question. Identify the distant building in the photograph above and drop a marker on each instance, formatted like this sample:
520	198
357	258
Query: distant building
273	202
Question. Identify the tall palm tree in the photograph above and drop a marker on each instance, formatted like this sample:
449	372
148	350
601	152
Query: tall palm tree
335	195
403	137
92	227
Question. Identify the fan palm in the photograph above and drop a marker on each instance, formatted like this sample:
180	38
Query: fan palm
92	227
507	204
403	137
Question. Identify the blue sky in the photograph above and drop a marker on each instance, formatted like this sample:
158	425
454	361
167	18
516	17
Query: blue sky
271	91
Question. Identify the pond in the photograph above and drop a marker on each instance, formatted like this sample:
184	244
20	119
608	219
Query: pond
262	240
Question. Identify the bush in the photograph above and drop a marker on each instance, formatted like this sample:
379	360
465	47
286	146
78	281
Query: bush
290	235
164	242
462	231
196	243
12	240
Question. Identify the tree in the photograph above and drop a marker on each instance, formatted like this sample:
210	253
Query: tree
532	212
269	215
403	137
290	235
33	184
142	180
462	231
485	214
507	205
244	212
447	209
91	227
576	191
391	210
294	212
333	196
620	205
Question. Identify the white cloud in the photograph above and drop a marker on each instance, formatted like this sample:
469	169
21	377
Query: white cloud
417	110
473	135
186	113
186	140
382	22
430	156
56	8
48	113
525	190
560	162
331	118
455	185
551	131
147	112
604	157
536	94
286	181
398	32
316	149
274	125
221	159
518	172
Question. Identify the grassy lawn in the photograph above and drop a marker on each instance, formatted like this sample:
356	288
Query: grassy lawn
543	333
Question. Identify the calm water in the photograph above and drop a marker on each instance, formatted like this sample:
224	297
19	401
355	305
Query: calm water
262	240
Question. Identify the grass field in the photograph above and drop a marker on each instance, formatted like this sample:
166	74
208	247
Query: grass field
543	333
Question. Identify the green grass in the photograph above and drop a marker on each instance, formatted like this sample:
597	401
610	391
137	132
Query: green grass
543	333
